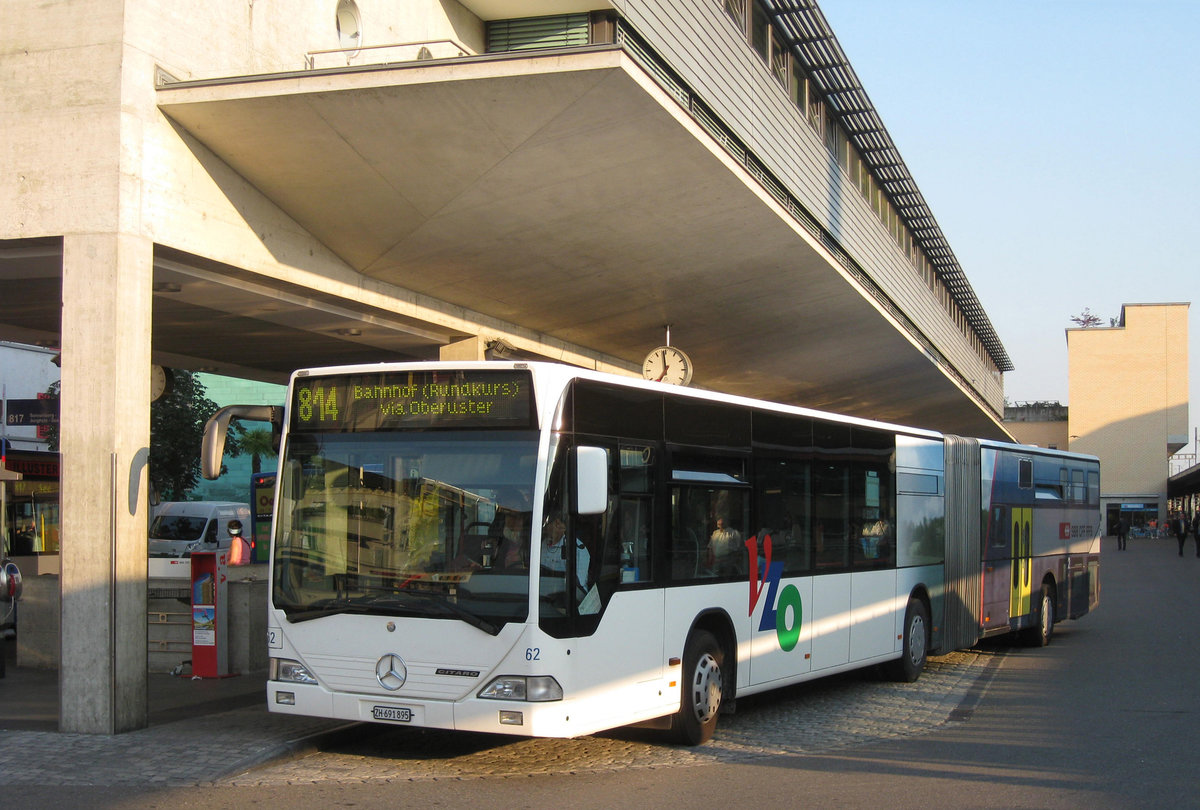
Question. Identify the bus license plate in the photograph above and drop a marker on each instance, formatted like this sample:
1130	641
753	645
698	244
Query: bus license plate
394	713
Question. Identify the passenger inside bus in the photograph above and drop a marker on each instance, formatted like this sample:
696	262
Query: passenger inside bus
513	549
724	548
555	550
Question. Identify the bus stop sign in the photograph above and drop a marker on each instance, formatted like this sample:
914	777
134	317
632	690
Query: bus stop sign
31	412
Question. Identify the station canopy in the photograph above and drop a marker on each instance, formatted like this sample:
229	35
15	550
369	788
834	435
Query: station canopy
571	198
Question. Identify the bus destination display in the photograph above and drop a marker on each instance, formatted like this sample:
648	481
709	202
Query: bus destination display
405	400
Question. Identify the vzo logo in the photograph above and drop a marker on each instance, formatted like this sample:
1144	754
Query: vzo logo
775	613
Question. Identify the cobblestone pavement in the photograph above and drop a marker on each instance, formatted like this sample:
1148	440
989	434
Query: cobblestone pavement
249	746
832	713
189	752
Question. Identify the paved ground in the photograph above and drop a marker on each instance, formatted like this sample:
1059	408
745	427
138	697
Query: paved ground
826	715
1103	718
219	732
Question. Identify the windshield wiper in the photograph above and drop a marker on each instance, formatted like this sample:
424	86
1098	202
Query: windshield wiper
329	607
451	609
313	613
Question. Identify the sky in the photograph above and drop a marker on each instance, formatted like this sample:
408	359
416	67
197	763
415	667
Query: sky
1057	143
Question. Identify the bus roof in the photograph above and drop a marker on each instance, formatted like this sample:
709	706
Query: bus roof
563	373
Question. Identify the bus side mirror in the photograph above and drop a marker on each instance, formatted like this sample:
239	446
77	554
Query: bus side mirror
217	427
591	480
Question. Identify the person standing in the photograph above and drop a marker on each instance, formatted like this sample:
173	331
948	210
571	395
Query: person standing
1122	533
1179	527
239	549
1196	531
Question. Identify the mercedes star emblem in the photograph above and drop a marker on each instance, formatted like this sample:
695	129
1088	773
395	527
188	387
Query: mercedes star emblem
390	672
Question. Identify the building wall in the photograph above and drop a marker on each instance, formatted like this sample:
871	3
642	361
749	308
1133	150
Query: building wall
1038	423
234	484
1129	398
88	151
1042	434
91	153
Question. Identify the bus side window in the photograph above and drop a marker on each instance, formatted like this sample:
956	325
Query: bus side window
1078	488
1025	473
999	529
725	552
687	526
637	514
708	532
783	508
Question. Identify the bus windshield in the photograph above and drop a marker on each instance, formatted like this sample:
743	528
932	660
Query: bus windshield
394	523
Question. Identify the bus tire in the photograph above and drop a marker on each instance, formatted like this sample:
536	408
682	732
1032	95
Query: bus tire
702	688
907	668
1039	634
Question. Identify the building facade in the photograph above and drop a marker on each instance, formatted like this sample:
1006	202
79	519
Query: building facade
1129	405
1044	424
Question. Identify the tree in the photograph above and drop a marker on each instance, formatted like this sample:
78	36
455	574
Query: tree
258	443
53	392
176	432
1086	318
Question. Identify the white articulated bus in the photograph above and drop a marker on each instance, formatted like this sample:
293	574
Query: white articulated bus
535	549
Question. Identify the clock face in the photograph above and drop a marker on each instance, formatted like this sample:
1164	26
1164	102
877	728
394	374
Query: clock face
667	364
160	382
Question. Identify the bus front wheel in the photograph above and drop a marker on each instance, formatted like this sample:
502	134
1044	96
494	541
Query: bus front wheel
702	690
916	641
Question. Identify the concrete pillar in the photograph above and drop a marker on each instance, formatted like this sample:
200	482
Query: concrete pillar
472	348
105	438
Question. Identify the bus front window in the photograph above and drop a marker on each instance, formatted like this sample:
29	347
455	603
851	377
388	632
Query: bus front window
406	524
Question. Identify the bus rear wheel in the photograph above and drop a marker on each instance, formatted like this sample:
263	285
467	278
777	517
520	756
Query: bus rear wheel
909	666
1043	626
702	690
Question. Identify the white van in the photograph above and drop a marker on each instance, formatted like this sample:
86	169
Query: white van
181	527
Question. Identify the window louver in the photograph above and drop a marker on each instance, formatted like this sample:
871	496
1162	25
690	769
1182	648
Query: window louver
531	33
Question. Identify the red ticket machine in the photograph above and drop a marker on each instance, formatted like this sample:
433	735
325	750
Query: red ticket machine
210	622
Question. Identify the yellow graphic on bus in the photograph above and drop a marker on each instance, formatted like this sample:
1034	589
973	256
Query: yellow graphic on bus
1022	561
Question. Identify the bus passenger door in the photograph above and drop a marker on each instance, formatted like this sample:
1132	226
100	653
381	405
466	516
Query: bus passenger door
997	565
1022	561
619	661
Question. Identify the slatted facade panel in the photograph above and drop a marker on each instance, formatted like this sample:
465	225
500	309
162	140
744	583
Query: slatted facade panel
700	42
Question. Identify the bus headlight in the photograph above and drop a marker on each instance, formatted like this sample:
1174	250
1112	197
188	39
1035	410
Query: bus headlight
285	669
530	688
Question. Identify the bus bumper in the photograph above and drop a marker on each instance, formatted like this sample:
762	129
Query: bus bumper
550	719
